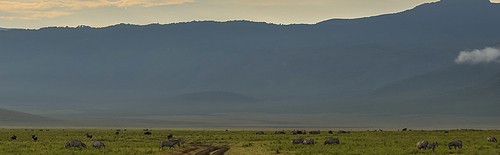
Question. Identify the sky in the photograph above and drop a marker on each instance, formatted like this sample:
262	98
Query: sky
100	13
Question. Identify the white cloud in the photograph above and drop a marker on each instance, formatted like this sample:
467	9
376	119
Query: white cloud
37	9
487	55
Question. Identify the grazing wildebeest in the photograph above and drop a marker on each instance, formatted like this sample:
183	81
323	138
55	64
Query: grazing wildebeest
314	132
332	141
308	142
40	130
34	137
422	144
404	129
432	146
147	133
75	143
341	131
456	143
88	135
117	133
330	132
169	136
294	132
279	132
491	139
117	129
13	137
170	143
298	141
260	133
98	144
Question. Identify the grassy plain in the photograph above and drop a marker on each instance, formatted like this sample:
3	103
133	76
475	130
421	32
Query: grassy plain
245	142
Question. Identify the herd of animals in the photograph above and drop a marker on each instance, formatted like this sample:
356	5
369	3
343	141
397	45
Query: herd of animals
171	143
420	145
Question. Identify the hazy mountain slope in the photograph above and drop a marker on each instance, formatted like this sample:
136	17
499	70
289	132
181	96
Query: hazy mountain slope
130	64
9	117
452	78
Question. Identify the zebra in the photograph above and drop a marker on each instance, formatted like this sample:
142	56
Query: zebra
297	141
491	139
98	144
170	143
75	143
308	142
314	132
456	143
332	141
422	144
432	146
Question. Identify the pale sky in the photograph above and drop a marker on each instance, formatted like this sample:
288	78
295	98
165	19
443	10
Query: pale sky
100	13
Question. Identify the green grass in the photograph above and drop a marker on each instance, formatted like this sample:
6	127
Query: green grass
247	142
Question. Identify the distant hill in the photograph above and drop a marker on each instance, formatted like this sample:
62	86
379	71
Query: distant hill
134	65
15	118
212	98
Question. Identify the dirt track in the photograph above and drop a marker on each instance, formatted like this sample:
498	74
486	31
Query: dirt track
208	149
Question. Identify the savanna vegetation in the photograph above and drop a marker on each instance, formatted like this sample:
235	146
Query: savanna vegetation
245	142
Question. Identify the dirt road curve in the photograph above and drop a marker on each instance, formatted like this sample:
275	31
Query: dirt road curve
209	149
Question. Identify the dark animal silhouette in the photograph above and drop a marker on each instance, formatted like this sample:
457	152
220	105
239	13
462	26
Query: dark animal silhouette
422	144
330	132
98	144
491	139
341	131
279	132
294	132
170	143
117	133
456	143
260	133
332	141
314	132
298	141
169	136
300	132
144	129
75	143
147	133
88	135
308	142
13	137
404	129
34	137
432	146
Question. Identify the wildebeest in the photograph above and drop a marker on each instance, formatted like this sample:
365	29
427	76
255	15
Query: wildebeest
169	136
13	137
34	137
75	143
144	129
332	141
117	133
330	132
147	133
88	135
422	144
298	141
294	132
308	142
98	144
491	139
456	143
301	132
314	132
260	133
279	132
341	131
170	143
432	146
404	129
117	129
